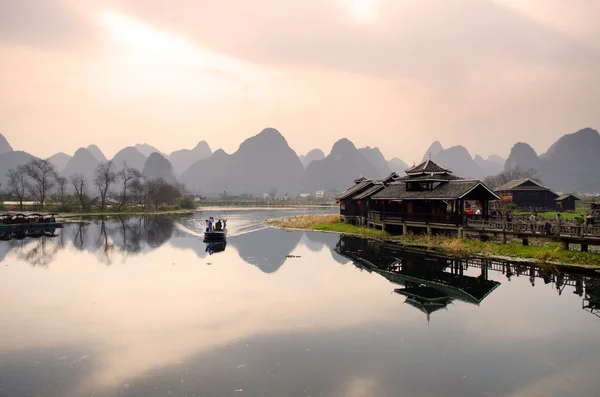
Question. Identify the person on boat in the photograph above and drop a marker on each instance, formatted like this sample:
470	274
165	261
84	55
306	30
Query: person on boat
210	224
219	225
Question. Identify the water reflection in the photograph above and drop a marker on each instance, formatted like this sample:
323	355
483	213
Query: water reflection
284	314
433	281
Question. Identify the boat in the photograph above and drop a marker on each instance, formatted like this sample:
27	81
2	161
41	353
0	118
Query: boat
27	224
218	231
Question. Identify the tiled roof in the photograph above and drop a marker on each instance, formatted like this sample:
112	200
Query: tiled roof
369	192
564	196
450	190
427	167
430	178
355	189
517	182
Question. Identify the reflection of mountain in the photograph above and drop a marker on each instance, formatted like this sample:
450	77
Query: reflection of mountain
266	249
315	241
429	283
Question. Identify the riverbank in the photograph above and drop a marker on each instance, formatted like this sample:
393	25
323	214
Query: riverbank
540	252
70	215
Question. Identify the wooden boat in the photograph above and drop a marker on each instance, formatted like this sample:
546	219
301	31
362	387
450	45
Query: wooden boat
218	231
23	224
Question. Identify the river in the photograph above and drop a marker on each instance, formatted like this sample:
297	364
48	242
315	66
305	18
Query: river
141	306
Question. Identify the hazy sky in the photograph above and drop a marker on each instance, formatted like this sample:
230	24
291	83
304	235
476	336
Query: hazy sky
397	74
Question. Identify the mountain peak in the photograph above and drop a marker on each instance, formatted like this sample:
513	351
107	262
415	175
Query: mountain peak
342	146
4	145
522	156
434	149
97	153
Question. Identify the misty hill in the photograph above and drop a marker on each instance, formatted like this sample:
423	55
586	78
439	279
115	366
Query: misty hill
458	160
313	155
4	145
183	159
398	166
493	165
374	156
97	153
59	160
435	148
130	156
157	166
572	163
262	162
147	150
337	171
11	160
522	156
83	162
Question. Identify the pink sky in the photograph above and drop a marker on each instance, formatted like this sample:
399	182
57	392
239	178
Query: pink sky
387	73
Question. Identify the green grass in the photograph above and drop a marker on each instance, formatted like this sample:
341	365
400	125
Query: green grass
553	214
539	252
350	229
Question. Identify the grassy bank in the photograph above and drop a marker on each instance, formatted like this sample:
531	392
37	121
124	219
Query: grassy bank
539	252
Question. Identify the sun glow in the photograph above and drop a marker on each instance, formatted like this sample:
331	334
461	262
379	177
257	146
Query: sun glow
151	63
362	10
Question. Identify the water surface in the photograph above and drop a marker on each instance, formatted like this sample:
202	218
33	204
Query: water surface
140	307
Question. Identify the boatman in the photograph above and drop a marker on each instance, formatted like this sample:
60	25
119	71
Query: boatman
210	224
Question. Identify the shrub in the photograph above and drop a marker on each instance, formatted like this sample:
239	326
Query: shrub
187	203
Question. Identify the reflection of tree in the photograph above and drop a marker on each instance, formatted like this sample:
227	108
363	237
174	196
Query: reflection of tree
37	252
105	247
105	237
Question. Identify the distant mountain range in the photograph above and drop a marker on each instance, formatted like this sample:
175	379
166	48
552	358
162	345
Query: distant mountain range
266	163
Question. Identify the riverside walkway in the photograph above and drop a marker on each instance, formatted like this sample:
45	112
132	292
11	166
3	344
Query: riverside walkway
565	234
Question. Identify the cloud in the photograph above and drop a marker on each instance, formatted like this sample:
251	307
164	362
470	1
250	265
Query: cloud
42	23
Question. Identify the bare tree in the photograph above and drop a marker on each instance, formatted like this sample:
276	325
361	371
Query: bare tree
43	176
80	184
510	175
61	188
127	176
104	177
139	189
17	184
161	192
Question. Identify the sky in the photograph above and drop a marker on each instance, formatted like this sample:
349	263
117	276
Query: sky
397	74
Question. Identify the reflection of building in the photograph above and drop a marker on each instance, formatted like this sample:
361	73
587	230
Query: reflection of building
429	282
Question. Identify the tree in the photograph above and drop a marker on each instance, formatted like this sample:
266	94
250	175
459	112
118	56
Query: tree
510	175
43	177
61	188
17	184
104	177
139	190
80	184
160	192
128	176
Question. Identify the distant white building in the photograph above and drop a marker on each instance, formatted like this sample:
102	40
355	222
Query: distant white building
320	194
304	195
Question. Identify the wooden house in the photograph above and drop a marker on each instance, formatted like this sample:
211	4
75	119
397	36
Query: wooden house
527	193
565	202
429	194
355	202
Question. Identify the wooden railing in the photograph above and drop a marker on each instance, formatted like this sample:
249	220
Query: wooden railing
535	228
374	216
427	218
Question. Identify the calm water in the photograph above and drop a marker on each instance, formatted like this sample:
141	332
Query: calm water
139	307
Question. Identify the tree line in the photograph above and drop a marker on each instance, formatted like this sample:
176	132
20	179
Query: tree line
39	180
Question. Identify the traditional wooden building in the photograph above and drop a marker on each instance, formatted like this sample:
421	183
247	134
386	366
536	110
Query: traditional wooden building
527	193
428	196
355	202
565	202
